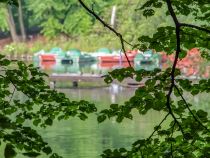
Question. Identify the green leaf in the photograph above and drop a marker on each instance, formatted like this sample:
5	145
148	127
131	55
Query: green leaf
9	151
201	113
49	121
47	150
114	106
54	155
176	93
31	154
36	122
20	120
182	54
101	118
139	78
157	128
188	136
108	79
122	150
1	56
148	12
195	91
5	62
158	4
82	116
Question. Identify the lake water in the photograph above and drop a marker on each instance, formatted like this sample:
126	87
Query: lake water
88	139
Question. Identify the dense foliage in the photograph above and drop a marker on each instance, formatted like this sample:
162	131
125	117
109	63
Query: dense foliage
41	106
67	18
187	134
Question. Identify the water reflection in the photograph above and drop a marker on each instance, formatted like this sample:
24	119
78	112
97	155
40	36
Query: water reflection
88	139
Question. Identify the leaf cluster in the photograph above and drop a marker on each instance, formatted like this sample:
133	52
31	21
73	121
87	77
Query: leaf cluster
41	107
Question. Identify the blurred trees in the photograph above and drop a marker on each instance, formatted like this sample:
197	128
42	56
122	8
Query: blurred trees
21	20
11	23
8	19
67	18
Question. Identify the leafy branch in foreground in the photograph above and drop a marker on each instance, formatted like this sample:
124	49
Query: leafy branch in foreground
40	108
188	129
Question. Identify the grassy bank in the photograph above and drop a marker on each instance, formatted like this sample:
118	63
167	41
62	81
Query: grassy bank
84	43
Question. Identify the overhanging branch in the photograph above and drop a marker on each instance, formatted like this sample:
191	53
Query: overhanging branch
107	26
172	75
195	27
188	107
156	129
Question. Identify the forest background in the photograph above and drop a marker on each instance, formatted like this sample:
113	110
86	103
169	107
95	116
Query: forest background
37	25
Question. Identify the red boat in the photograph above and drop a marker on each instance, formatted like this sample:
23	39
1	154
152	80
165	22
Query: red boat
111	65
48	57
47	65
118	57
164	57
193	57
190	65
207	72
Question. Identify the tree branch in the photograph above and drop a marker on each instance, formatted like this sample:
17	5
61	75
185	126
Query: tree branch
12	94
171	137
188	107
195	27
109	27
15	88
156	129
178	50
193	35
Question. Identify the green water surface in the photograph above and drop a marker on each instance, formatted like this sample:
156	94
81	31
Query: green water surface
88	139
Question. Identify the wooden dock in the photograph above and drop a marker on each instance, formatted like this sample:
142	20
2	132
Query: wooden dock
76	78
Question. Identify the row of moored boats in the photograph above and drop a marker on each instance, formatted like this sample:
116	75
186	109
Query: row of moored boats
103	55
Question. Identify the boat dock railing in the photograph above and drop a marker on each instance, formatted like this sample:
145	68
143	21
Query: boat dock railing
76	78
99	78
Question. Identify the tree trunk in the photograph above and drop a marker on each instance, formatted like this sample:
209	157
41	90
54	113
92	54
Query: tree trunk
20	16
11	23
113	16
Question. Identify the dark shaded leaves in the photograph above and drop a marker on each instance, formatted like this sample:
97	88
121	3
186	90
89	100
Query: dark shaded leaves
9	151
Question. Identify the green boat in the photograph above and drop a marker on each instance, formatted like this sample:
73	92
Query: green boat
104	50
100	52
79	57
75	68
57	51
66	68
61	56
147	60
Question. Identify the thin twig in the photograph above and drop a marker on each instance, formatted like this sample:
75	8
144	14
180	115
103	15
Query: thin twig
195	27
188	107
194	35
15	86
12	94
156	129
171	137
109	27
